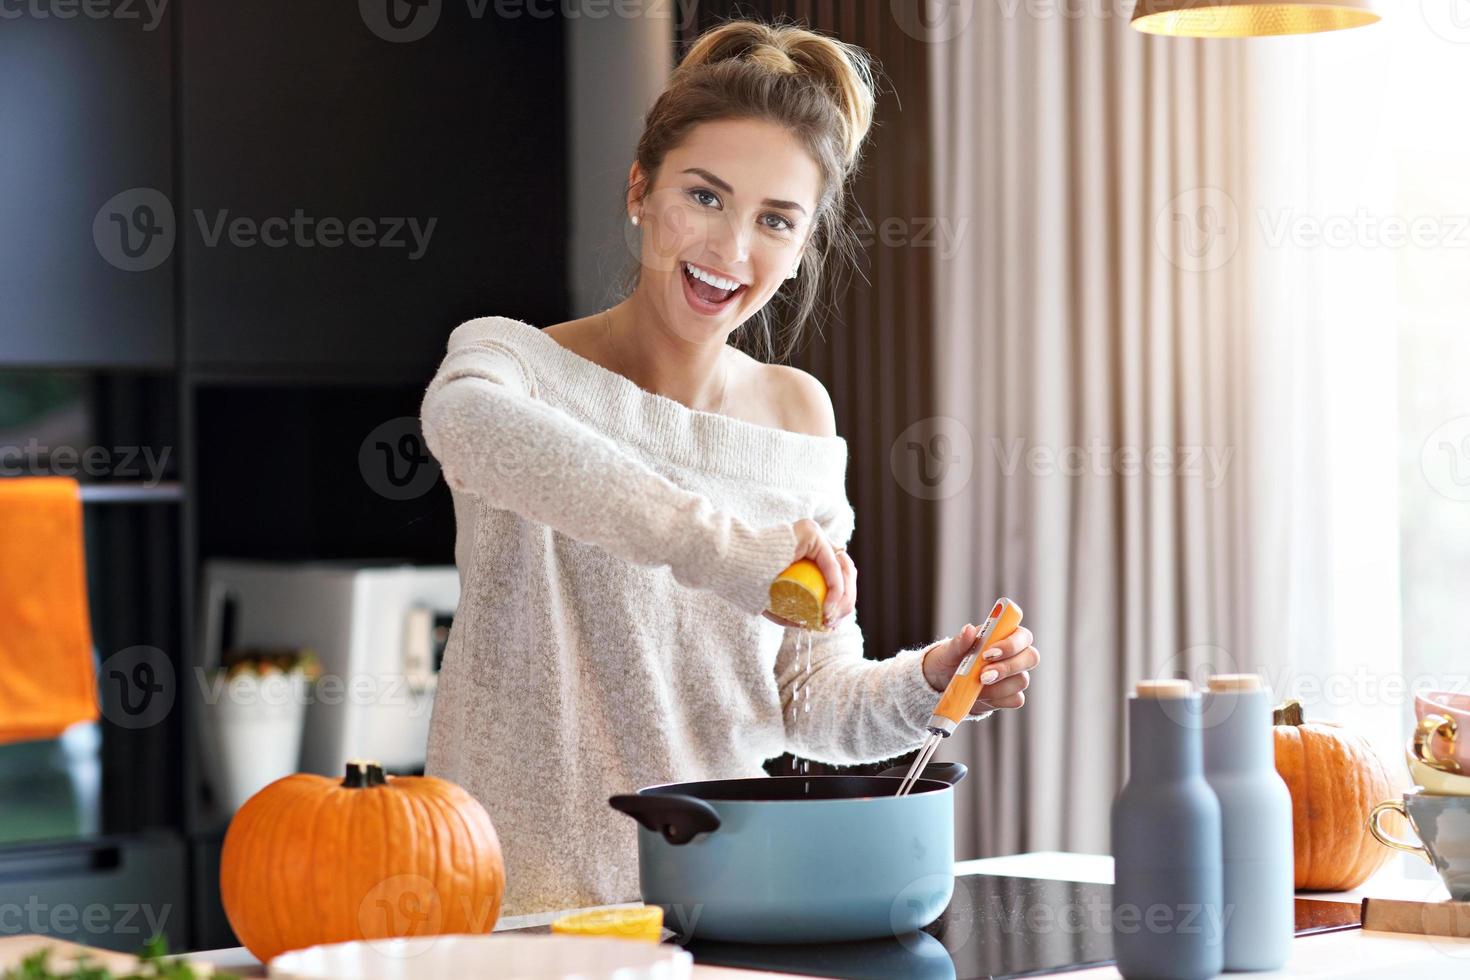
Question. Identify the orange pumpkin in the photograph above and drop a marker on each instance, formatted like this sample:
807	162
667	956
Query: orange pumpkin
1335	779
311	860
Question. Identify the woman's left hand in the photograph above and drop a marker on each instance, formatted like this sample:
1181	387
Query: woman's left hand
1011	660
838	607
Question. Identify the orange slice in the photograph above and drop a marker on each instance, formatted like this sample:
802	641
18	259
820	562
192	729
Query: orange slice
644	923
797	594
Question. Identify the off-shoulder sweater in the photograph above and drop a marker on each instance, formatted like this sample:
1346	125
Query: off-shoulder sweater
615	549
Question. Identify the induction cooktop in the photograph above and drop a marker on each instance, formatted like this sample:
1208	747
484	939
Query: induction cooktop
995	926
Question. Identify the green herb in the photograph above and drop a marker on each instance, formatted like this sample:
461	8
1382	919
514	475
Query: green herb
153	965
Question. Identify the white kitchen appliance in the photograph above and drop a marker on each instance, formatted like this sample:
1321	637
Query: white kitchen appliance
378	630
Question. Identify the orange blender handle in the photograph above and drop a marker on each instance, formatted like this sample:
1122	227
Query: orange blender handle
964	687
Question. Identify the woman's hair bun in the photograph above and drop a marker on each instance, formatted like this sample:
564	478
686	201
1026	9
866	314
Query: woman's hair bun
844	70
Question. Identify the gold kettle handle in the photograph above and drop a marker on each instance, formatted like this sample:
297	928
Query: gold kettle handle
1386	839
1424	733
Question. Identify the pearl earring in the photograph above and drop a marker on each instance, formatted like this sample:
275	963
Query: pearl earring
634	219
794	269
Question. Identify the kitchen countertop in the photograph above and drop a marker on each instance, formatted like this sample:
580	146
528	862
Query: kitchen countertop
1352	953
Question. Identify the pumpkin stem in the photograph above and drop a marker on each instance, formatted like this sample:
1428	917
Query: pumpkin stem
362	774
1289	713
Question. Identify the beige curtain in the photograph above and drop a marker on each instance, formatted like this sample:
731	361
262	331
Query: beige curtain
1119	356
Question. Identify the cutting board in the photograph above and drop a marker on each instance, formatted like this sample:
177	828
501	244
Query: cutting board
14	949
1421	918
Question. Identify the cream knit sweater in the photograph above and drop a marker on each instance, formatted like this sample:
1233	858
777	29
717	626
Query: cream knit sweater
615	548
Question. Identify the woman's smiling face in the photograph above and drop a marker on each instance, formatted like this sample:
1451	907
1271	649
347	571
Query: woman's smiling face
733	203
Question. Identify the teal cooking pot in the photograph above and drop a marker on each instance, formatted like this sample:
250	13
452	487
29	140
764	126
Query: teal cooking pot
797	859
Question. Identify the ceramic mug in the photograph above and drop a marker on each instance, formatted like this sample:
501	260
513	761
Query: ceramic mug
1442	716
1443	826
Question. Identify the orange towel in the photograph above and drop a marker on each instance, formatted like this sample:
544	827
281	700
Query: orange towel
46	677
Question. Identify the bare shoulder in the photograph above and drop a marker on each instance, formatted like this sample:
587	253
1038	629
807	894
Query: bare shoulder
803	401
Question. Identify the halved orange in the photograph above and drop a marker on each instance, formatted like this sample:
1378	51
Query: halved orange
645	923
797	594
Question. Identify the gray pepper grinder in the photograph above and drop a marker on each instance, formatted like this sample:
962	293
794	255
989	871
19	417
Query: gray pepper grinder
1167	884
1255	811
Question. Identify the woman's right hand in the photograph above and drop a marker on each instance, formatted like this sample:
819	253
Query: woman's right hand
837	569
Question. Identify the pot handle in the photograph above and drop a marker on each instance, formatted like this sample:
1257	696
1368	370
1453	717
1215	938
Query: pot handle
679	818
945	772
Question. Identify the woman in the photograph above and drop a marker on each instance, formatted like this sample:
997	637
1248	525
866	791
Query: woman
627	485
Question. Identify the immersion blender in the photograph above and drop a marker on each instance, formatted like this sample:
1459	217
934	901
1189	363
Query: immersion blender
964	687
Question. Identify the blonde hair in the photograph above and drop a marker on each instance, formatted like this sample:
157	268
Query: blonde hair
819	89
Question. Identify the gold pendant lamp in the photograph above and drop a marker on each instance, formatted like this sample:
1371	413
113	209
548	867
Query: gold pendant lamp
1249	18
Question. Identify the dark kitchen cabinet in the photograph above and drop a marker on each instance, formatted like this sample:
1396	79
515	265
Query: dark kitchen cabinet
86	267
352	198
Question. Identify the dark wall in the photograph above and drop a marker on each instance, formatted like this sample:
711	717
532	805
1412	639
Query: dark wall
290	106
